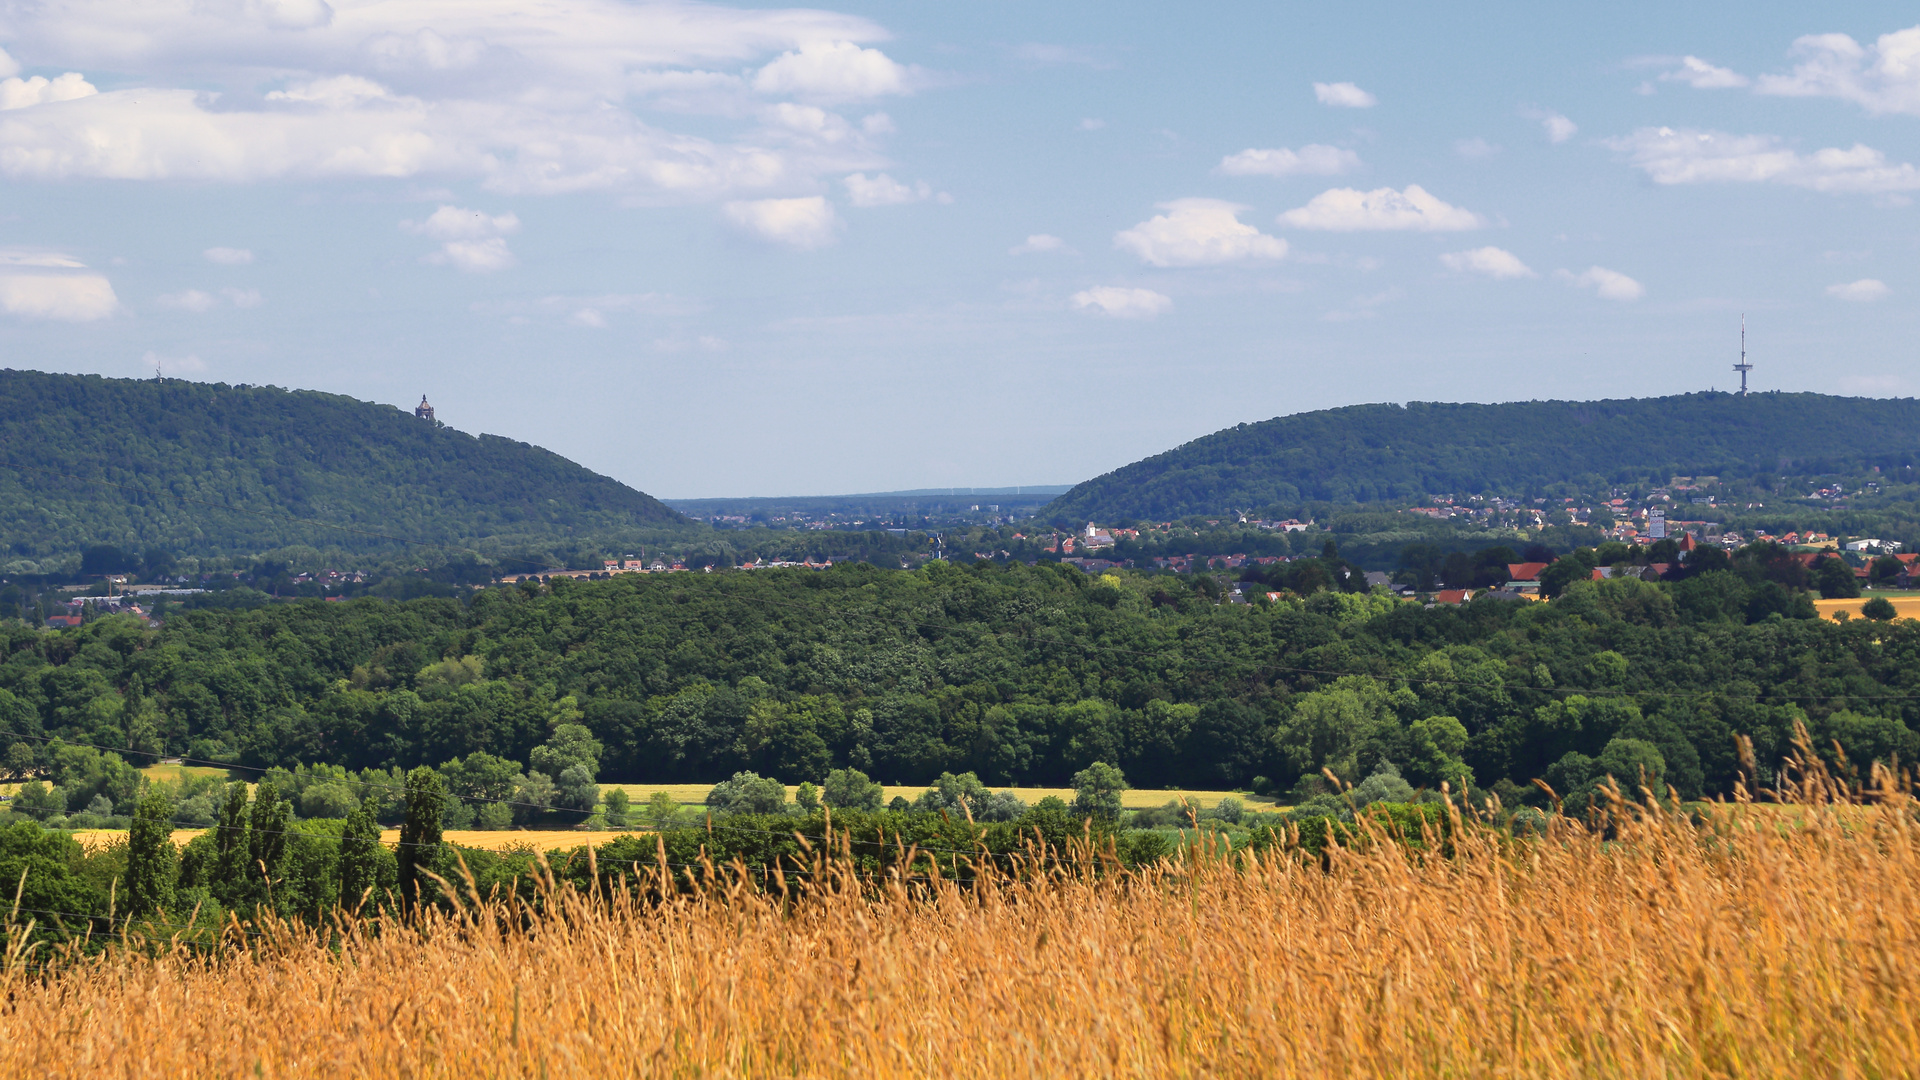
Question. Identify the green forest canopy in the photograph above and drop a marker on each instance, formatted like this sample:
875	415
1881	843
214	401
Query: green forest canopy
1385	453
183	453
1023	675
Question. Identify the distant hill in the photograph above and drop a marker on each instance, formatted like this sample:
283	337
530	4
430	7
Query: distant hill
1379	453
183	453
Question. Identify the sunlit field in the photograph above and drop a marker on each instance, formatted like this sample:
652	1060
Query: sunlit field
1723	943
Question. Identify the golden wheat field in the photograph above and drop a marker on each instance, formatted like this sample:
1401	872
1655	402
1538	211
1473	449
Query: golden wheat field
1738	944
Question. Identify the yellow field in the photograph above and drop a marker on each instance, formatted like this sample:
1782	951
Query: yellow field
1905	606
1753	946
504	840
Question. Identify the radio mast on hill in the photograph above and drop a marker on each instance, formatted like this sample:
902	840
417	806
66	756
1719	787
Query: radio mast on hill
1743	367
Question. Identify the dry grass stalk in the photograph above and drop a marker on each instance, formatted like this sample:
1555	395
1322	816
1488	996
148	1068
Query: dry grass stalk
1752	944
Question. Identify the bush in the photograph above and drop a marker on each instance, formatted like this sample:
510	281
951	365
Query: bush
850	789
748	793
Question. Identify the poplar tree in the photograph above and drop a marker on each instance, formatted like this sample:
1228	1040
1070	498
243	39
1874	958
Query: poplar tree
230	867
359	867
420	835
272	820
152	863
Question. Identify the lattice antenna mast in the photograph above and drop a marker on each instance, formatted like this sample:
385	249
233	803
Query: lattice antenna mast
1743	367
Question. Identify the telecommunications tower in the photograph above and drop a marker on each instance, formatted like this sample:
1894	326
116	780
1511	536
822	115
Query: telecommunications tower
1743	367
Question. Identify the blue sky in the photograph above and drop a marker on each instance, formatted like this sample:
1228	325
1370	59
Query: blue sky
718	250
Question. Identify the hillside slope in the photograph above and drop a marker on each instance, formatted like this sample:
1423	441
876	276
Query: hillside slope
182	453
1373	453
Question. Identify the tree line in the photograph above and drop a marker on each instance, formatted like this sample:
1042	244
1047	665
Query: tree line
1020	675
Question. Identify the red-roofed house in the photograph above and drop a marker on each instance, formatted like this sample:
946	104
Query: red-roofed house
1453	596
1525	571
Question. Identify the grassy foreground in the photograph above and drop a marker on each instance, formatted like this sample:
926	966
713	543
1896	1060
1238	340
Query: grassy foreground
1743	944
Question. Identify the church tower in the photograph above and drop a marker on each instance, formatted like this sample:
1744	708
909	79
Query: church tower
424	411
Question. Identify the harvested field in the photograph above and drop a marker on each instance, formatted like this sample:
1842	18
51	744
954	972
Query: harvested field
1905	605
1752	945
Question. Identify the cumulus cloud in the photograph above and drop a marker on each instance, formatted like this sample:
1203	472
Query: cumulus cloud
1670	156
1120	302
191	300
1038	244
884	190
198	302
1474	148
472	241
1313	159
37	283
1866	290
1607	284
227	256
1882	78
1351	210
26	93
1701	75
1343	95
1198	232
65	297
796	223
836	71
282	89
1559	128
1491	261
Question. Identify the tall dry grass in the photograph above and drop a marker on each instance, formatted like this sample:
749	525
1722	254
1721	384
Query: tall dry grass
1751	944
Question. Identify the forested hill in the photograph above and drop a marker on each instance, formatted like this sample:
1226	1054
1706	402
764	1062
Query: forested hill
189	459
1372	453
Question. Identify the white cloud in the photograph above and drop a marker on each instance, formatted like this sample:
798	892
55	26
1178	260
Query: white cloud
1866	290
1092	123
1474	148
227	256
1670	156
1492	261
1701	75
1559	128
473	242
1362	307
1121	303
460	223
797	223
1350	210
8	65
66	297
517	99
199	302
1881	78
38	257
1608	284
1198	232
26	93
1344	95
1313	159
1037	244
884	190
833	71
191	300
589	317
